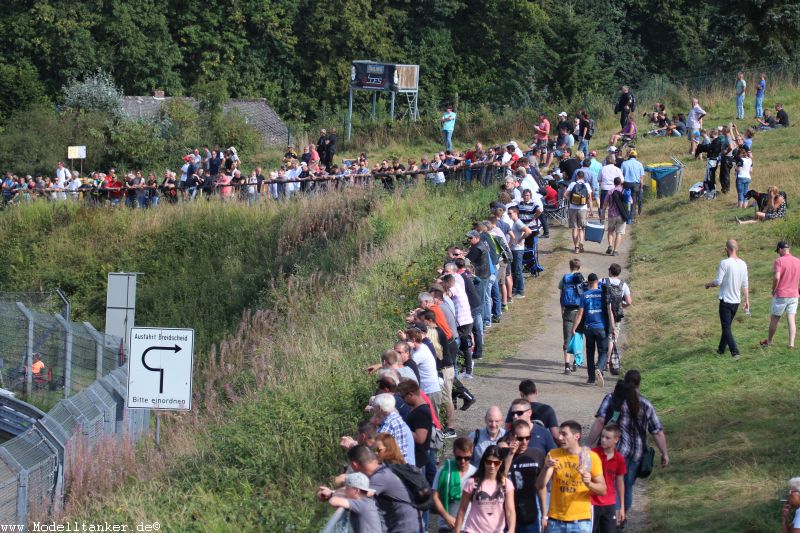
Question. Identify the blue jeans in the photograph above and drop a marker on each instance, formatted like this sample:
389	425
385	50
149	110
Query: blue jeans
486	285
578	526
517	270
533	527
630	479
596	338
448	139
583	146
740	106
497	301
759	107
477	332
742	185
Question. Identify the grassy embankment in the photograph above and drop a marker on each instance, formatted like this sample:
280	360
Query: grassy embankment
731	425
278	394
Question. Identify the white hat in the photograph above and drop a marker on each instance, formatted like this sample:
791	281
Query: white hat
562	114
357	480
612	148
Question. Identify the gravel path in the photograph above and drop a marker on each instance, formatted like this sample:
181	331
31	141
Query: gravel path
540	357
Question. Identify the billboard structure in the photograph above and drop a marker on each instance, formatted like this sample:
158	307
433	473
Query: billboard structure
379	77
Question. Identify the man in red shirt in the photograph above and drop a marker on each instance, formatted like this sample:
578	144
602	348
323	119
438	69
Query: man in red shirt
606	516
541	137
785	282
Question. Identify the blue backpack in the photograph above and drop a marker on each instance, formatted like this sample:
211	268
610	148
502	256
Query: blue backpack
574	286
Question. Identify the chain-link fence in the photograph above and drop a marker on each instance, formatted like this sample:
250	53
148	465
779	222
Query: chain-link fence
35	465
44	357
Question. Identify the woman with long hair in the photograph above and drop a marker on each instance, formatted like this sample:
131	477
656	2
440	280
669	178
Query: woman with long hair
636	417
490	498
774	207
387	451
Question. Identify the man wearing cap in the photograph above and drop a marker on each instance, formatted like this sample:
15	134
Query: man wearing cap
580	203
399	514
732	281
448	122
632	172
480	258
785	282
357	499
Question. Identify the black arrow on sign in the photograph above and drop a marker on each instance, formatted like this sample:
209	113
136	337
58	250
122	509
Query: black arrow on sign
160	371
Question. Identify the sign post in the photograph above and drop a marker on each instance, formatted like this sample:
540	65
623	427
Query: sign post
160	370
76	152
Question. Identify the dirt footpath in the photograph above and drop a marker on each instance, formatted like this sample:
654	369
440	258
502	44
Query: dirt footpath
540	357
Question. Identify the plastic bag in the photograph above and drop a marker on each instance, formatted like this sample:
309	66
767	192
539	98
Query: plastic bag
575	347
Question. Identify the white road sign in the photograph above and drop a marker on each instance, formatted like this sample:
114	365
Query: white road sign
160	368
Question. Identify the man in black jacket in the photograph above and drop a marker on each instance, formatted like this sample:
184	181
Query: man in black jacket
625	106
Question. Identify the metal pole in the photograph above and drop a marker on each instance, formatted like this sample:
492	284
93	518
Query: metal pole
391	107
374	105
68	355
29	356
99	343
350	115
158	430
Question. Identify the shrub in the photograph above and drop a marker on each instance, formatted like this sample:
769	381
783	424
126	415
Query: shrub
96	92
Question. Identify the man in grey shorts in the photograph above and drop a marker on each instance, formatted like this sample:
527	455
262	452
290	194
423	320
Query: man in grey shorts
617	210
785	281
579	195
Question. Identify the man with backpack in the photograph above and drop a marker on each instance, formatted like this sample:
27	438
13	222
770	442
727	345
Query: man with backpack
393	498
618	295
594	312
579	195
616	206
571	286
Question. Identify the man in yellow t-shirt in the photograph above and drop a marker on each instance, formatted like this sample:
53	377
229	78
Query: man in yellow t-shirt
576	473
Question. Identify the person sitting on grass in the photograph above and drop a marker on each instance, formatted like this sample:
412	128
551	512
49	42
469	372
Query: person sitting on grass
626	134
774	206
768	122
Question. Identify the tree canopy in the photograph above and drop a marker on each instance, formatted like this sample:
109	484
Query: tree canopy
297	53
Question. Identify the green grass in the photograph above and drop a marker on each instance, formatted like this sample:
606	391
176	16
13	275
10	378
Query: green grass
731	425
279	393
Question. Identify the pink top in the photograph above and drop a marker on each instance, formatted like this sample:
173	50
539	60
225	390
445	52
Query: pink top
224	191
789	268
487	511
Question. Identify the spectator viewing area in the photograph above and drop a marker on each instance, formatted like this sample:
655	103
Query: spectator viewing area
355	267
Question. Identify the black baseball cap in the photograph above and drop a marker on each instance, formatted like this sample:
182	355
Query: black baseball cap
781	244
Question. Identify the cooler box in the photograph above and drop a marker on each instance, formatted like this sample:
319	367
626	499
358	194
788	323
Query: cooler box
594	231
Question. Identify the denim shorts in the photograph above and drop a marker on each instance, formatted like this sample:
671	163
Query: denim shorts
577	526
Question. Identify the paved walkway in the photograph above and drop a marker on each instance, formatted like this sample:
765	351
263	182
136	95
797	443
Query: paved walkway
540	358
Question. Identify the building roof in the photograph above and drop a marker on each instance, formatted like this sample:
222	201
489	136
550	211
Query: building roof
255	110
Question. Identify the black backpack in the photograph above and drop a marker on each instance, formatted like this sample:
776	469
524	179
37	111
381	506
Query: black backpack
419	490
614	295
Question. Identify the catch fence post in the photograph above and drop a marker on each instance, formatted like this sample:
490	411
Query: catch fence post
67	355
99	344
29	349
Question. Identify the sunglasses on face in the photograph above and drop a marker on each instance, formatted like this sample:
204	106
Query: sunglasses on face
493	462
462	458
526	438
519	413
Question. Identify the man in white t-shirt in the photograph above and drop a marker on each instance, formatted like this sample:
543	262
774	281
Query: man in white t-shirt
516	239
579	195
694	121
732	282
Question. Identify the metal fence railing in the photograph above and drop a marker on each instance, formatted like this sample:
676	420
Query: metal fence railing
73	355
35	466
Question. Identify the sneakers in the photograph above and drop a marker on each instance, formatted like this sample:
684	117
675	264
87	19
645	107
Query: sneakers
519	296
505	308
468	403
495	319
574	367
567	370
615	253
465	375
609	250
599	378
449	433
735	357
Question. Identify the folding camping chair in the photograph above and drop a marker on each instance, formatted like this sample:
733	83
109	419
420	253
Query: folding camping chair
558	214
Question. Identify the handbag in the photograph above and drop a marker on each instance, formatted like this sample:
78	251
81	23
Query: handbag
646	464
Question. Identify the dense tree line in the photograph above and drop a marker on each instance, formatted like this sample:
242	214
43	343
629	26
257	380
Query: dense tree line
296	53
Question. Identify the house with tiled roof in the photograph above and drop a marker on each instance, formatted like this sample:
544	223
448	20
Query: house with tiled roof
256	111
